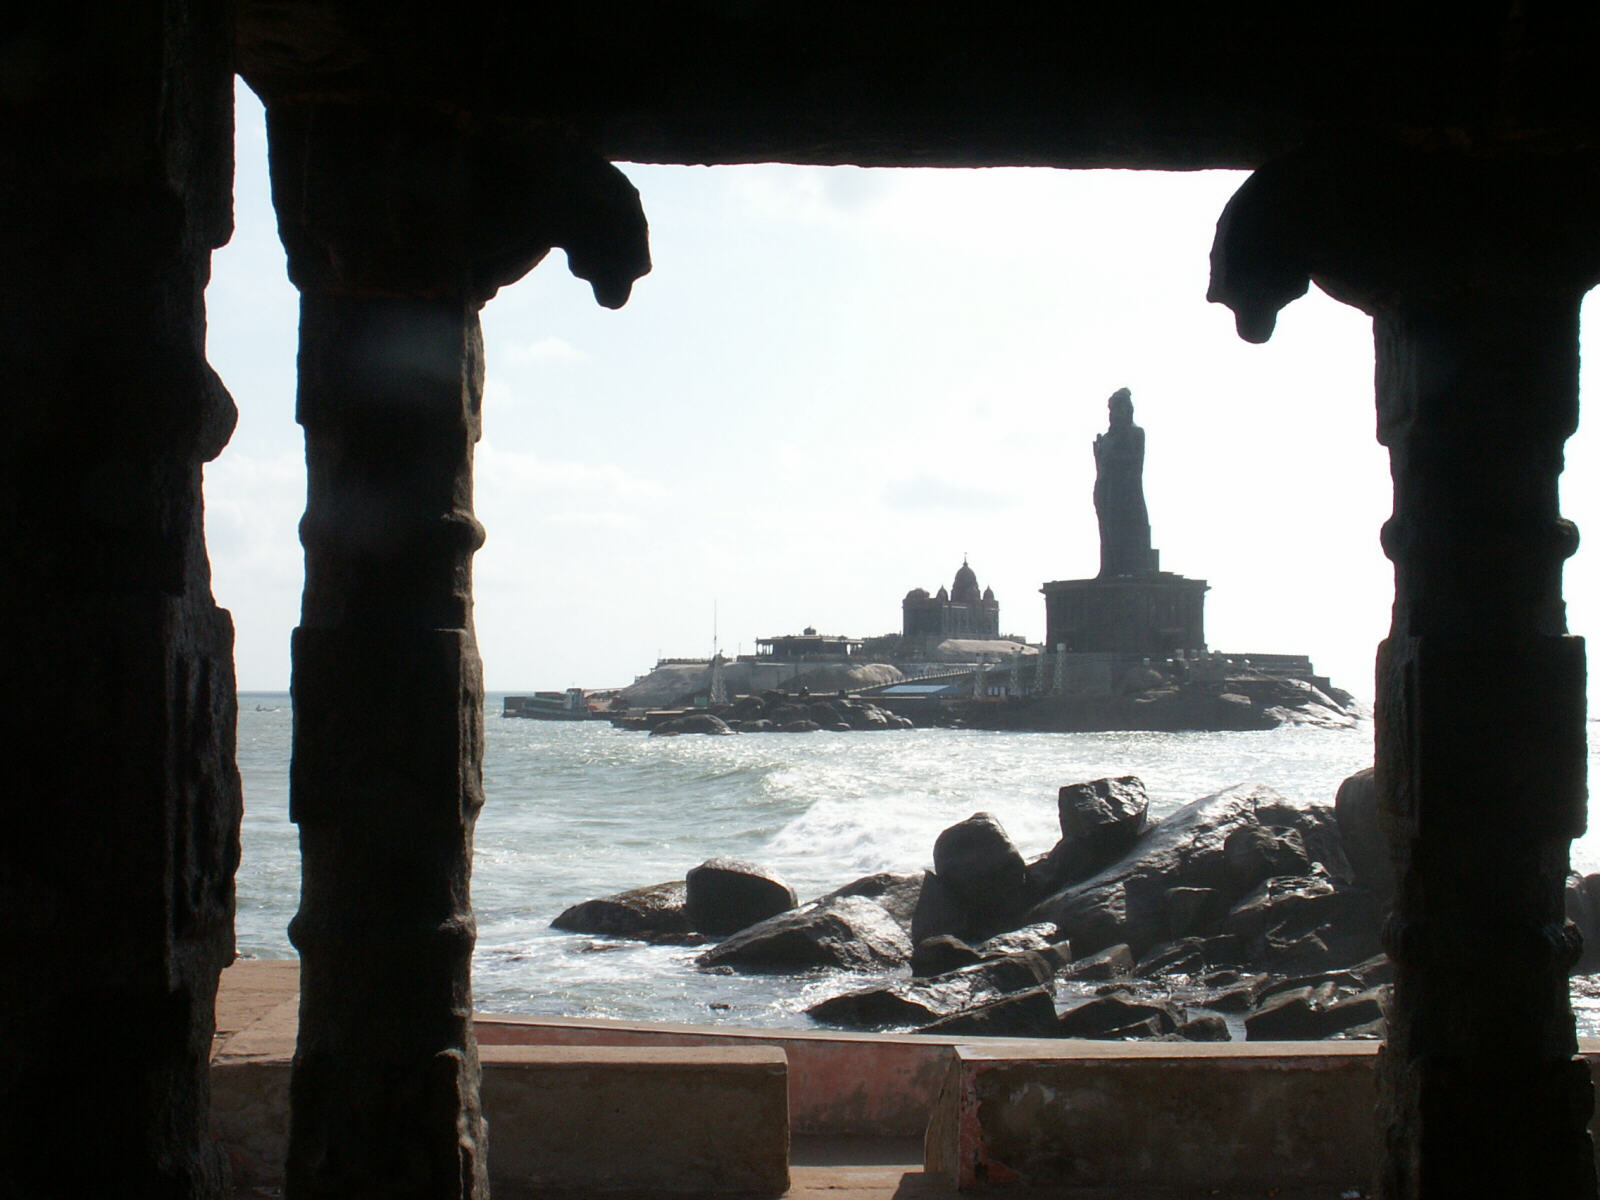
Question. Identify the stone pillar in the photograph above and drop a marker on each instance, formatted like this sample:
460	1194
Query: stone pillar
400	223
1473	271
119	789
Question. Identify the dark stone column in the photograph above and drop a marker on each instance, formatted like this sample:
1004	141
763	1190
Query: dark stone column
119	790
399	224
1473	271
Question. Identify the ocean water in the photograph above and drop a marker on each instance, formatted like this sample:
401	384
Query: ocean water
575	811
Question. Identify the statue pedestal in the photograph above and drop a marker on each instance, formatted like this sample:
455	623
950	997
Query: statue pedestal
1152	614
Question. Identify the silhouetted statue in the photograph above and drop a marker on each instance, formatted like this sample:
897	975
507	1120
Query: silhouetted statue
1119	493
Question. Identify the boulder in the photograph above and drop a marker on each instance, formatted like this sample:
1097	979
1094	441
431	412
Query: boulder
1030	1013
1116	1016
749	708
1101	819
1114	962
939	910
897	892
755	725
1304	1013
1205	1028
724	895
1186	956
982	867
800	726
648	914
1128	901
940	954
1355	807
1042	936
700	722
1254	852
921	1001
850	933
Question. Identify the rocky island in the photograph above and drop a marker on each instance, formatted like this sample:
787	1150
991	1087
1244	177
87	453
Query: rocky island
1124	650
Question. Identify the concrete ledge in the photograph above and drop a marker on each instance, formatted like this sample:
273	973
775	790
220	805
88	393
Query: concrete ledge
587	1119
1246	1117
840	1084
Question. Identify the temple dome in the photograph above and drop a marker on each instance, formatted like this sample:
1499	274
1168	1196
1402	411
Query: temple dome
965	590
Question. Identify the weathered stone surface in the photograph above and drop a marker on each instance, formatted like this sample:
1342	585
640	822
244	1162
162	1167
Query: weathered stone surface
801	726
1101	819
1029	1013
919	1001
1306	1013
725	895
939	910
1187	956
1253	853
1130	900
897	892
1204	1028
1116	1016
851	932
982	867
942	953
649	914
691	723
1356	808
1114	962
1040	936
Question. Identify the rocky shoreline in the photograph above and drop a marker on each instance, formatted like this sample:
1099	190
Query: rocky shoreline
1241	915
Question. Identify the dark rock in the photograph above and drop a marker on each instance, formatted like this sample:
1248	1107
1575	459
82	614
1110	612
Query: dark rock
1040	936
851	932
1299	898
1029	1013
1126	902
1285	1017
1356	809
940	954
651	914
783	713
825	714
897	892
920	1001
867	717
1254	852
1184	957
1239	997
1114	962
1301	1014
939	910
749	708
1204	1028
702	722
800	726
1373	971
1362	1015
1101	820
980	865
1195	910
1114	1016
757	725
724	895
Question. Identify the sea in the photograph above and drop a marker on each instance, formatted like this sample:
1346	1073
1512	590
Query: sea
578	810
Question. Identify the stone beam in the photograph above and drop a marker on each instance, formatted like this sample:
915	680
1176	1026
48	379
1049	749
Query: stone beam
120	793
400	223
950	82
1473	272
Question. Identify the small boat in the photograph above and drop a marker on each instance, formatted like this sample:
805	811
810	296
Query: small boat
550	706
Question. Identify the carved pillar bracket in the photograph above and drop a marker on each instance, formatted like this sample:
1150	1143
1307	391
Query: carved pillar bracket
399	225
1473	270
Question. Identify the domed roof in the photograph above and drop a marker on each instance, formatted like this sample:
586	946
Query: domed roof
965	590
988	595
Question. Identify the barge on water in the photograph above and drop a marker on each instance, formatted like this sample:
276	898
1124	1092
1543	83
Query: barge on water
550	706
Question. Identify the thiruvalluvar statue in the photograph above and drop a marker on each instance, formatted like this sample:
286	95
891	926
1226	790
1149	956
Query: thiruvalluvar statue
1119	492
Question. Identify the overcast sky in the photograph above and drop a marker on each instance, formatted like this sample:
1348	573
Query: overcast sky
834	384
